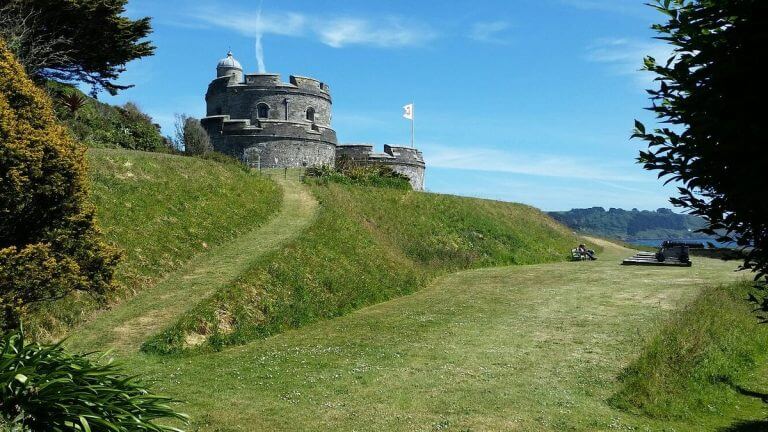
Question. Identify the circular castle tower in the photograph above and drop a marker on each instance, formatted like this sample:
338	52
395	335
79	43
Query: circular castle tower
269	123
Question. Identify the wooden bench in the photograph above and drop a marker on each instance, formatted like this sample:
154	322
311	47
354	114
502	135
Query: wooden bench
577	256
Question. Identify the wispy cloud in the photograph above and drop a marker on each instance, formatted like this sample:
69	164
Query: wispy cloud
625	56
619	6
490	32
546	165
250	24
334	31
387	33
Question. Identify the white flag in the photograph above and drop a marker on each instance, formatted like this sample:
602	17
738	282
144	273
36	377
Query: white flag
408	111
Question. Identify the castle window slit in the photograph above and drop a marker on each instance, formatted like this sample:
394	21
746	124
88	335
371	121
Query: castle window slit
262	111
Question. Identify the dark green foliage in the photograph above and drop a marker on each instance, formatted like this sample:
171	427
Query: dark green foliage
89	41
44	388
50	245
710	93
369	175
694	364
190	137
97	124
631	224
367	245
73	101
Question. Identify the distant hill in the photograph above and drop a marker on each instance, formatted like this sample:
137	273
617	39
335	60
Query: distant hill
632	224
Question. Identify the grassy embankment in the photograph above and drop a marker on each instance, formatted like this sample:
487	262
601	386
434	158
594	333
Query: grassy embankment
696	363
534	347
366	246
162	210
530	348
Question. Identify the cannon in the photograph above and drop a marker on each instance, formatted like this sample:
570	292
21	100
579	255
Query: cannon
671	253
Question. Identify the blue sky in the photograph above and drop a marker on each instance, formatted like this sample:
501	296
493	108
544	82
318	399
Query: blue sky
530	101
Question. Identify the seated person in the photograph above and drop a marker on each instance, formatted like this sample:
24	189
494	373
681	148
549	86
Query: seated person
589	253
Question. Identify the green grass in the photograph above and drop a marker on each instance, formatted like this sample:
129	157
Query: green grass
126	326
692	366
533	347
162	210
367	245
529	348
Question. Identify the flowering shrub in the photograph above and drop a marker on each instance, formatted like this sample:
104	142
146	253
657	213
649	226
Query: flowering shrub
49	243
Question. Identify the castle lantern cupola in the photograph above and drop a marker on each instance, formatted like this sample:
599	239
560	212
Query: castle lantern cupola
229	66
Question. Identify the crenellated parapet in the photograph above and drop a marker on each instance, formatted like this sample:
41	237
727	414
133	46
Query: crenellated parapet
269	123
260	116
405	160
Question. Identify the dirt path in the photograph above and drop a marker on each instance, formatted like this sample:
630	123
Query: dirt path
125	327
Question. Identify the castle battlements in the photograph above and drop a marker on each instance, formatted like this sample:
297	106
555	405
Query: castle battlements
405	160
271	123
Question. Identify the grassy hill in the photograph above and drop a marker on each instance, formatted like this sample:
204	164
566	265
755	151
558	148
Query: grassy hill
366	246
161	210
463	350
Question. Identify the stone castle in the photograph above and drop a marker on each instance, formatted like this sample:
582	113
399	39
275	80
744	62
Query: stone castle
272	124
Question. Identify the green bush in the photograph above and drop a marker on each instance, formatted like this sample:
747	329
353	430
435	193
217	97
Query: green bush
367	175
50	245
693	364
101	125
44	388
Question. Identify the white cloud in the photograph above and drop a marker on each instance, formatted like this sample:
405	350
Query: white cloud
625	56
249	23
491	31
391	32
547	165
336	32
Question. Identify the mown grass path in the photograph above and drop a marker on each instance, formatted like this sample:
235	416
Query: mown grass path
125	327
529	348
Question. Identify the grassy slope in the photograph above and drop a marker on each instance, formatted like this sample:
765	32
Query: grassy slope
161	210
529	348
368	245
693	365
126	326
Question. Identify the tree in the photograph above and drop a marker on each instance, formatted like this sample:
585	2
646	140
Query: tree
710	96
191	136
50	245
74	40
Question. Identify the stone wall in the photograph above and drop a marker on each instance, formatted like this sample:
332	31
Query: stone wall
278	144
286	137
286	102
404	160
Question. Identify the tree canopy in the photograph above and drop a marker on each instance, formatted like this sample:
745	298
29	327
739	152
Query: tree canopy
89	41
709	99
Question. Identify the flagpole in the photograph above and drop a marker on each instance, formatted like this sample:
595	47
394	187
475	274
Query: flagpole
413	122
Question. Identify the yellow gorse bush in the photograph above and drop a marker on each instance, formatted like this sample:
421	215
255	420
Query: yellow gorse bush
49	243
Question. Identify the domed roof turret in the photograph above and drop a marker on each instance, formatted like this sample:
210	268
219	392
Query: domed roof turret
229	62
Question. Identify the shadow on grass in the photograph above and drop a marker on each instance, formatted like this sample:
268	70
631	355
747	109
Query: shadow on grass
747	426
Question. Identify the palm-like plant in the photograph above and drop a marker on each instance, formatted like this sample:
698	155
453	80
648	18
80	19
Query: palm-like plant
73	101
44	388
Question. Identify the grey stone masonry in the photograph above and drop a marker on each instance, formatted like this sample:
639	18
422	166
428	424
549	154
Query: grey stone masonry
269	123
405	160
